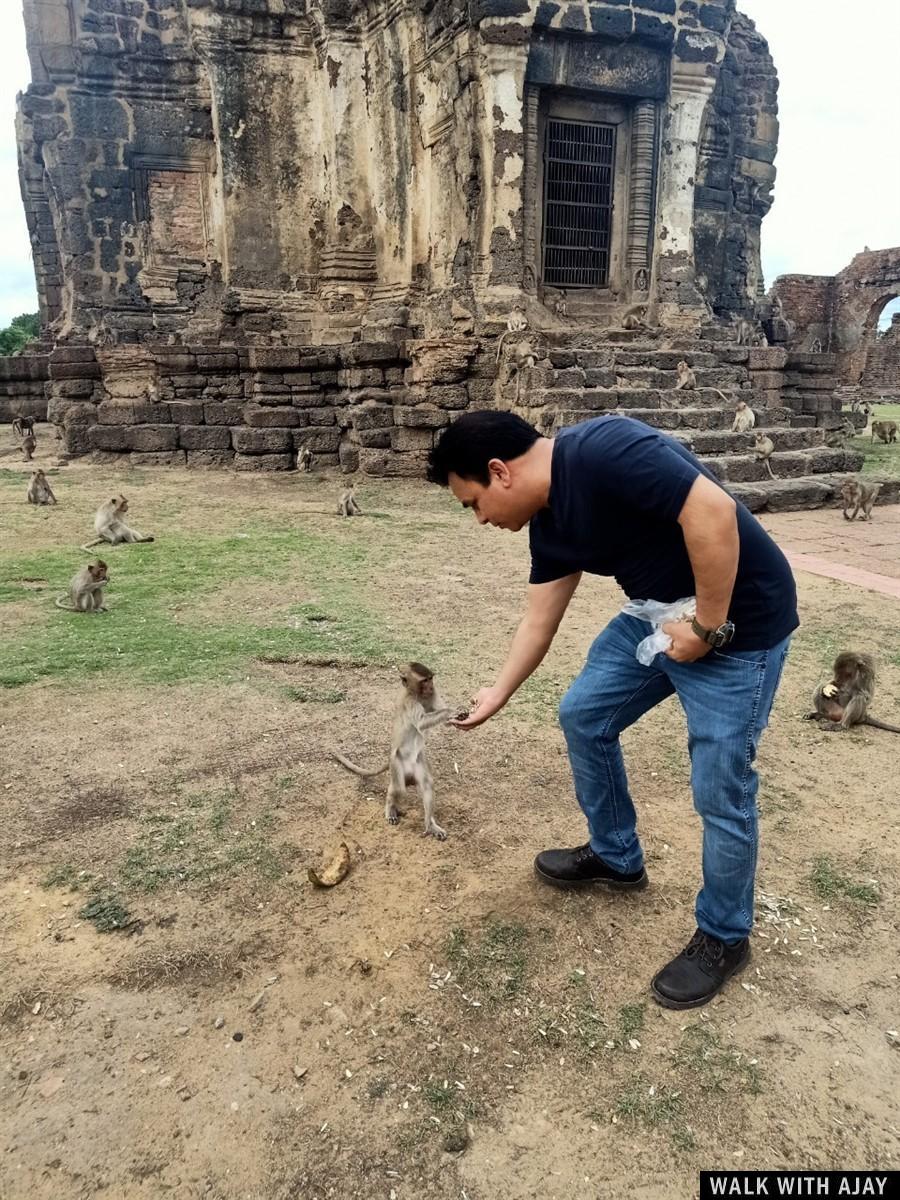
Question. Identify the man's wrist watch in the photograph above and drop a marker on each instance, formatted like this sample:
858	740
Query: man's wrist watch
714	637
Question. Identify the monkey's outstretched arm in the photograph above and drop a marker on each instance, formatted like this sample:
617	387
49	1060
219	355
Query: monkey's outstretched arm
345	762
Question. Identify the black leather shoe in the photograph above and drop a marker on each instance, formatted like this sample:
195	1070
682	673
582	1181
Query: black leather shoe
700	971
581	867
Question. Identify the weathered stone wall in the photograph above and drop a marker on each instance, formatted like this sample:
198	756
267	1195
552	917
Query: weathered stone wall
736	172
263	168
23	387
881	374
842	311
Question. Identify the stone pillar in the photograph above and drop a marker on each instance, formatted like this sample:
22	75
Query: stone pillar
532	199
640	214
680	304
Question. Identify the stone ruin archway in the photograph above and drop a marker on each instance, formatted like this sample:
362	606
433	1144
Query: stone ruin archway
880	373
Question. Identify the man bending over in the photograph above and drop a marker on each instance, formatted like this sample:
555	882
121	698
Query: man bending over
613	496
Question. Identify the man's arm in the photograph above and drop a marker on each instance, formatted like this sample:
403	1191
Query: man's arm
547	602
708	521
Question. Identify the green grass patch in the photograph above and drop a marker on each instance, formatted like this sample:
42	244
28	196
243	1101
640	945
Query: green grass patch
198	843
711	1068
106	913
149	634
490	967
881	458
830	883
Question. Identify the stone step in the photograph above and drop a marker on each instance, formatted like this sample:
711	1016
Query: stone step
775	421
565	391
805	492
791	464
719	376
717	442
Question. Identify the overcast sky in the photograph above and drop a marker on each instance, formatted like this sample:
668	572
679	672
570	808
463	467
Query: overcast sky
838	186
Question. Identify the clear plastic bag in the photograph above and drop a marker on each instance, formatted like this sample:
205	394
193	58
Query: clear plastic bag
655	613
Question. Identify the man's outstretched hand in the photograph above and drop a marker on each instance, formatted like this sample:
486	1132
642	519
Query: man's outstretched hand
484	704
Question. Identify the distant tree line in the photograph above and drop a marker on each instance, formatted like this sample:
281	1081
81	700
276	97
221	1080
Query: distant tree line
19	332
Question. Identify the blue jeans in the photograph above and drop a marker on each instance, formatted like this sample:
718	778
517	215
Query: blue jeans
727	699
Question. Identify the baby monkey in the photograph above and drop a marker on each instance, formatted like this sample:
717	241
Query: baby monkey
86	589
744	418
347	505
858	495
419	708
39	490
687	380
844	701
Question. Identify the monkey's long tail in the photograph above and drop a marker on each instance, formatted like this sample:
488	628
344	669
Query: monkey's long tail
772	474
95	542
880	724
345	762
65	607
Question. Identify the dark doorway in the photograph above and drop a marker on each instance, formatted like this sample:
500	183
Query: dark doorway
579	159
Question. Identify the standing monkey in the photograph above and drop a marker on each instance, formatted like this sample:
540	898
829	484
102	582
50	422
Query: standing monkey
420	707
885	431
561	306
858	495
39	490
744	418
687	380
844	701
86	589
304	459
764	448
22	425
29	442
347	506
110	527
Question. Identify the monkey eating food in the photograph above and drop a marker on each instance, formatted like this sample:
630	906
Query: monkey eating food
419	709
686	378
39	490
86	589
844	701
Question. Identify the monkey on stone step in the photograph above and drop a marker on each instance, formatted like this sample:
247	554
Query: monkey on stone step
347	505
635	317
763	448
561	305
858	495
744	418
22	425
844	701
86	589
687	380
110	527
39	490
420	707
835	438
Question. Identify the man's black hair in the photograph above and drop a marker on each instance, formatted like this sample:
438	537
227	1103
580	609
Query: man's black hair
468	445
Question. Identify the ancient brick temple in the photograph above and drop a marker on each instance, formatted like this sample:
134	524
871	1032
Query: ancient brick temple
261	224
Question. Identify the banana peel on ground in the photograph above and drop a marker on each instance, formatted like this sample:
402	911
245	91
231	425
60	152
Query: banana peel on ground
334	870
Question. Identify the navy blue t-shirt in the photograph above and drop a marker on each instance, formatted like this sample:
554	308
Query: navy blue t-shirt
617	487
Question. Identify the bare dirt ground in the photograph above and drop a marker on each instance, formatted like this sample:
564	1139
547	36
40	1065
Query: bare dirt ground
439	1024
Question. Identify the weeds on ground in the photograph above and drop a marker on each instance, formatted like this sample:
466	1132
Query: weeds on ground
491	967
830	883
